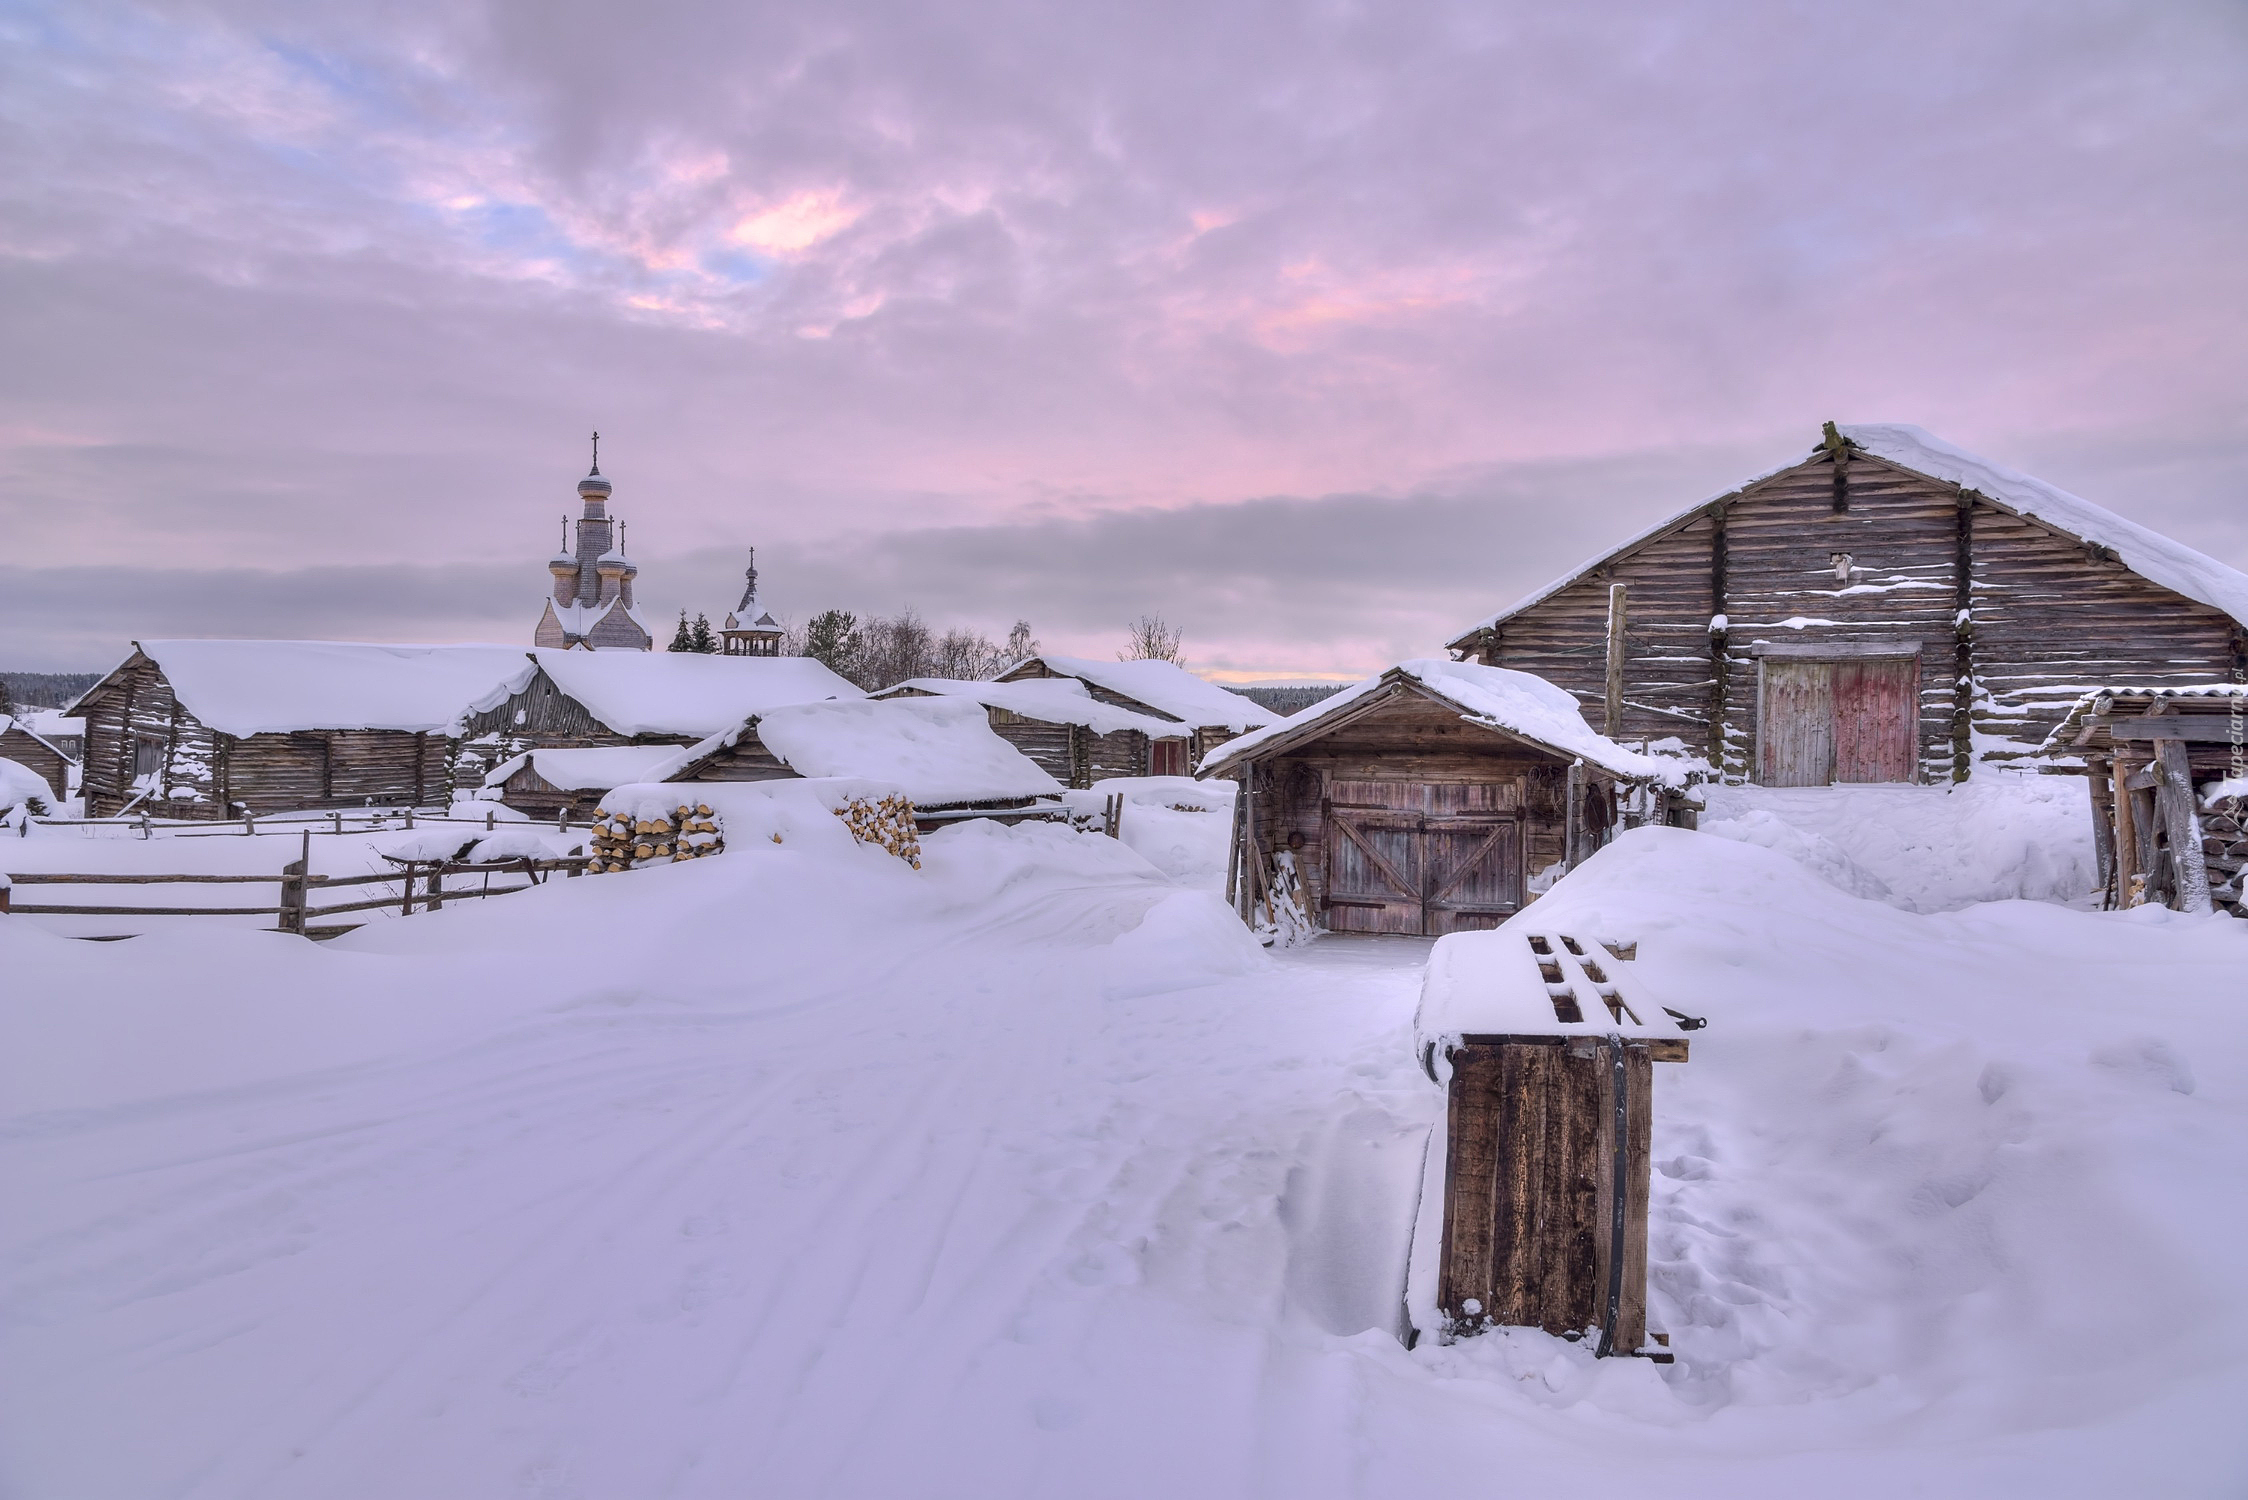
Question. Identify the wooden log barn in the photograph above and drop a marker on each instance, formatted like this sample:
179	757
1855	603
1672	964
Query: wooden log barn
1432	798
577	699
941	752
1058	723
214	729
1203	715
1545	1045
1887	608
2154	760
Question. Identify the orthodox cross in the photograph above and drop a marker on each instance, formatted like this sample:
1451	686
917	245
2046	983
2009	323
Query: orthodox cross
597	453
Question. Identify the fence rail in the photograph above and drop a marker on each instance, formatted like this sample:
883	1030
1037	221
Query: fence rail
294	911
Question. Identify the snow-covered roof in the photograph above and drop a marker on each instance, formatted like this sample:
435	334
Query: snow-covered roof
50	721
595	769
2072	728
1168	689
1050	700
684	692
2146	552
940	750
1520	981
1522	705
265	687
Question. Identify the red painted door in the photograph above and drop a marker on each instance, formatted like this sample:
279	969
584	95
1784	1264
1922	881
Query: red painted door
1876	719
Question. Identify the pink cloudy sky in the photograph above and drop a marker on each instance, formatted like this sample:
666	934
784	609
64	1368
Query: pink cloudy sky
1322	329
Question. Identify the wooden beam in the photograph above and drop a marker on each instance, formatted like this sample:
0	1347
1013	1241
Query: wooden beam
1619	608
2182	824
2200	729
2127	869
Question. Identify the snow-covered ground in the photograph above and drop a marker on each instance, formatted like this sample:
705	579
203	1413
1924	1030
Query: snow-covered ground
803	1174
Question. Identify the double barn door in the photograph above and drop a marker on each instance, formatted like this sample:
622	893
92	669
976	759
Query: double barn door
1422	858
1848	720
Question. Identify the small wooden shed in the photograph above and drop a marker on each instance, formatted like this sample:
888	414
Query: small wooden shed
1432	798
571	783
1544	1043
2154	759
577	699
213	729
45	755
1058	723
941	752
1201	715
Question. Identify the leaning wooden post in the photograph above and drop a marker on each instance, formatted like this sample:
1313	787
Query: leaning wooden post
2182	824
2096	782
1233	854
1573	824
2126	838
1618	611
293	884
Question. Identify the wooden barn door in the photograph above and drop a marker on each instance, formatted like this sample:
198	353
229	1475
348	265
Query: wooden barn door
1795	725
1876	719
1422	859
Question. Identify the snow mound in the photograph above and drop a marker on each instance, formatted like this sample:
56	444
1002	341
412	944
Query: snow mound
2001	836
1181	826
1185	940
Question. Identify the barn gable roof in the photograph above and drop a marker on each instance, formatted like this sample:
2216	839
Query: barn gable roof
2146	552
1515	703
942	751
1049	700
1169	689
679	692
243	688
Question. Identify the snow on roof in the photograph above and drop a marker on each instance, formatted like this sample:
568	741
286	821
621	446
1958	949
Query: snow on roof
1167	688
596	769
2101	700
940	750
264	687
2145	552
685	692
1050	700
50	721
1516	702
1495	983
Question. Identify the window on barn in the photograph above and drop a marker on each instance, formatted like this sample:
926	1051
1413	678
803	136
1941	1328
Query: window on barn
1167	758
1824	720
148	755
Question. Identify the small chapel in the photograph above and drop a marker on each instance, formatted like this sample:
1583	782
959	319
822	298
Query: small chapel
592	607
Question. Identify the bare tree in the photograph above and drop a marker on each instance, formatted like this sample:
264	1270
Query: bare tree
1152	640
1021	645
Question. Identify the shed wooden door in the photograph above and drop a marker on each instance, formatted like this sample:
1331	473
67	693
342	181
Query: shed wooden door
1422	859
1876	716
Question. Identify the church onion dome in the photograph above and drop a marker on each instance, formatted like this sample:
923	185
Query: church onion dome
614	561
593	484
562	562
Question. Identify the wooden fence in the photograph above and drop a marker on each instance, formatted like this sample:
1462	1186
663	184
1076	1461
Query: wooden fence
294	911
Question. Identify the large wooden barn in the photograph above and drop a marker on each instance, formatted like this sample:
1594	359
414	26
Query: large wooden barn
213	729
1203	714
1432	798
1058	723
1887	608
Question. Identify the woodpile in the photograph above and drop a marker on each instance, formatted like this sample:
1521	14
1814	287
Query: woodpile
2224	846
887	824
628	838
622	841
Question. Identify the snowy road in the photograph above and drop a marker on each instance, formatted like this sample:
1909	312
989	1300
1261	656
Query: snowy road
1024	1179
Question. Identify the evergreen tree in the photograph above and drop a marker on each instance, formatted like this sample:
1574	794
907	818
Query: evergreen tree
700	639
832	637
683	639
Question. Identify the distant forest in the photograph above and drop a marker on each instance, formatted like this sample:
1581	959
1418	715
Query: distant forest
45	689
1286	700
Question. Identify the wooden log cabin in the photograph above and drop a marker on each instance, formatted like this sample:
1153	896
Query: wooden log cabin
941	752
2167	769
214	729
571	783
1432	798
1058	723
1204	714
1887	608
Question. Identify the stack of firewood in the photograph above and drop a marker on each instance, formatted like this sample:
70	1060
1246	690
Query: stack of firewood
887	824
2224	844
622	841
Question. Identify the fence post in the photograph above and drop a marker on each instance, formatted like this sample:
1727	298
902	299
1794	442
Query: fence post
436	893
406	906
144	822
337	819
293	884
